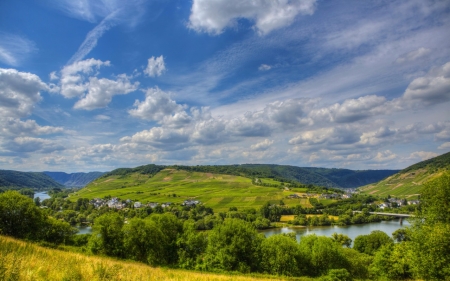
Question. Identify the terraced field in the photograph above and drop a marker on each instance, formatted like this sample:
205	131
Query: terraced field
217	191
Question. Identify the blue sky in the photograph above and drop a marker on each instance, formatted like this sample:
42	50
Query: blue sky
97	85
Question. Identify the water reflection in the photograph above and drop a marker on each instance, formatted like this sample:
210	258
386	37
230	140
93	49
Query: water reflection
351	230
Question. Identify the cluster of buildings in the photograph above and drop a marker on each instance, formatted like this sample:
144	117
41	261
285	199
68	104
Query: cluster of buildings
395	203
116	203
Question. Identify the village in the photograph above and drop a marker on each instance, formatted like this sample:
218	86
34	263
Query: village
116	203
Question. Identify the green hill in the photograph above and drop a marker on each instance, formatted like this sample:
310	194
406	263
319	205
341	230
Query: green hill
16	180
408	182
161	184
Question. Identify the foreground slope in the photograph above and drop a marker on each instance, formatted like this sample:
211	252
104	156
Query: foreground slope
16	179
218	191
408	182
25	261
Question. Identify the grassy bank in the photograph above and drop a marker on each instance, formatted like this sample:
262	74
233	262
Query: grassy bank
26	261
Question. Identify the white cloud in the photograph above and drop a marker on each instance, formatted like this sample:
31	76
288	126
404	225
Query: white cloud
15	127
73	77
15	49
432	88
158	106
30	144
102	117
423	155
155	66
80	80
414	55
264	67
101	91
166	139
266	15
352	110
261	146
19	92
445	145
384	156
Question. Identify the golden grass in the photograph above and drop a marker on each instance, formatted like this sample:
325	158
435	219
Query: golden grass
26	261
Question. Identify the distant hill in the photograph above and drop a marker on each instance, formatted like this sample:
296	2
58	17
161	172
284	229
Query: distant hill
408	182
34	180
341	178
74	179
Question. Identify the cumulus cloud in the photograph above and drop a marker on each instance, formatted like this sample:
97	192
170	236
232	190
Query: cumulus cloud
384	156
445	145
15	127
266	15
73	77
162	138
261	146
423	155
30	144
264	67
330	136
414	55
15	49
432	88
289	112
80	80
155	67
19	92
352	110
156	106
101	91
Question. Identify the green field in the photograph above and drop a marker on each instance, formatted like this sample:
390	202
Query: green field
217	191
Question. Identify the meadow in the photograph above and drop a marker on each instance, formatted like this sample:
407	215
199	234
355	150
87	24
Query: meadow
217	191
24	261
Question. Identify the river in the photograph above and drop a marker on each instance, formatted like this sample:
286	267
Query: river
41	195
351	230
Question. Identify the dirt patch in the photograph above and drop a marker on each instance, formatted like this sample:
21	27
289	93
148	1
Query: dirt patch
109	180
373	191
167	179
398	185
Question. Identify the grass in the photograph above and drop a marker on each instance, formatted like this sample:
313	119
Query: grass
23	261
286	218
217	191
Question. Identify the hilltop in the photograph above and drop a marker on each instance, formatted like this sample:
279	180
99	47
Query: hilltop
408	182
74	179
34	180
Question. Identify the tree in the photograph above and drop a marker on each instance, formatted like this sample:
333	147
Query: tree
191	246
107	236
370	243
233	246
144	242
281	255
342	239
19	216
171	228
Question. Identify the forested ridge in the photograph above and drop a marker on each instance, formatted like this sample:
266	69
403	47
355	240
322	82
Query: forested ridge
33	180
74	179
316	176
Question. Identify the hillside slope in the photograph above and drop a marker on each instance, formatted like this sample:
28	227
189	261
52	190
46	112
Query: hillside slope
74	179
27	261
16	179
408	182
218	191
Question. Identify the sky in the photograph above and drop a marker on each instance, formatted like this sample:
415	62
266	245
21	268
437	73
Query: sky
97	85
